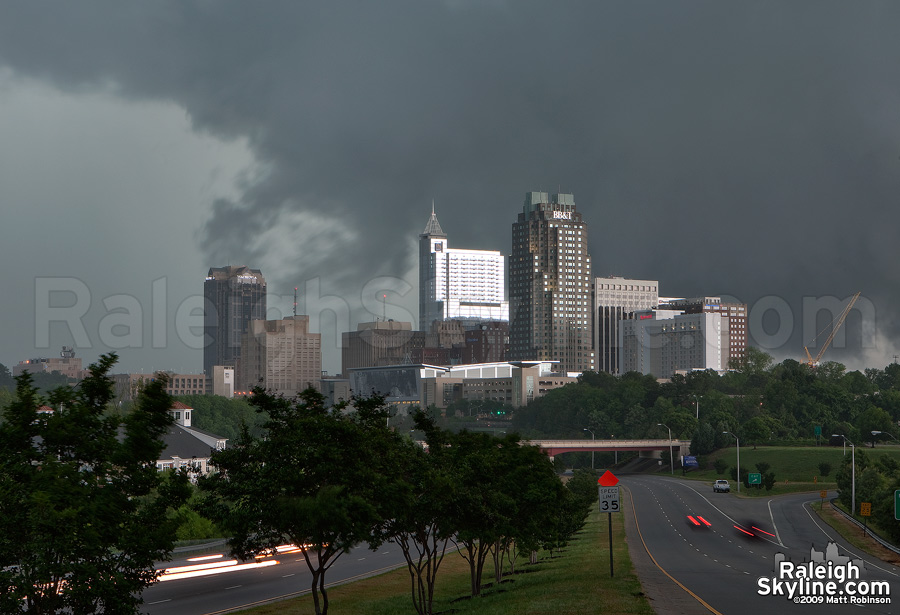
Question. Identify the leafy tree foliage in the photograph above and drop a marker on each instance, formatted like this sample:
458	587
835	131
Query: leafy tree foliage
224	416
6	379
84	514
312	480
758	400
419	514
704	440
720	465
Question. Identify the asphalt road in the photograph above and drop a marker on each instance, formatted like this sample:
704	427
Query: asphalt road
205	592
709	564
716	568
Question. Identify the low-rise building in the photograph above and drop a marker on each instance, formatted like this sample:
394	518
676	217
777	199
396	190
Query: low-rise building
187	446
515	383
66	364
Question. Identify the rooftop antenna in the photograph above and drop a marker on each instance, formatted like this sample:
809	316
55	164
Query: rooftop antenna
295	301
432	207
384	307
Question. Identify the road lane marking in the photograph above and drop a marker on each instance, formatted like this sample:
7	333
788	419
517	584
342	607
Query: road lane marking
234	587
808	510
159	601
772	519
663	570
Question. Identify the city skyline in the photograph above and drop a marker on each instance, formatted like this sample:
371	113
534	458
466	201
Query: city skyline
765	171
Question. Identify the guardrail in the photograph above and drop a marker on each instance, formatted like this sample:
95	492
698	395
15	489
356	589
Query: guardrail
884	543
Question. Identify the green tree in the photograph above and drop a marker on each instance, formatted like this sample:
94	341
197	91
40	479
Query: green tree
6	379
876	420
483	507
704	440
420	515
824	468
844	476
720	465
539	499
310	481
758	429
84	513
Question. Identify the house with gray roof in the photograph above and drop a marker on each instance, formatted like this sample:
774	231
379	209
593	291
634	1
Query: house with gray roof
187	446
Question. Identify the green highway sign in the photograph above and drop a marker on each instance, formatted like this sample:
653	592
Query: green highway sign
755	478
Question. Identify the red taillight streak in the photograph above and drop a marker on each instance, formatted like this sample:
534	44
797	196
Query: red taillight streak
763	531
694	521
743	530
704	521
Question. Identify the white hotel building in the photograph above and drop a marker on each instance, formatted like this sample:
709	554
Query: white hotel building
458	284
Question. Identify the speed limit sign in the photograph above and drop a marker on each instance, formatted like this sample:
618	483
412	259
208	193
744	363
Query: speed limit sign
609	499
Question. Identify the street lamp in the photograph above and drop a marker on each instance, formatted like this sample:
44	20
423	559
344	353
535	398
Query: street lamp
697	402
876	433
738	458
671	458
852	474
592	439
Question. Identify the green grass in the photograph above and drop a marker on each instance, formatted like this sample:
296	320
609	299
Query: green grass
796	468
574	581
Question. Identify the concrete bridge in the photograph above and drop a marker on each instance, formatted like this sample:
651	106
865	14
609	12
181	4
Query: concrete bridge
652	447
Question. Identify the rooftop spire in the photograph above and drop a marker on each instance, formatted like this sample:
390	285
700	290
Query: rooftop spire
433	227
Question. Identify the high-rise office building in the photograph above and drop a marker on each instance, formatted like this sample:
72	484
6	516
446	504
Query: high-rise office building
233	296
550	284
458	284
615	299
281	355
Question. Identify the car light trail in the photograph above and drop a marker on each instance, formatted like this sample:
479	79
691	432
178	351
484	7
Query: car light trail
187	572
740	529
204	558
701	520
763	531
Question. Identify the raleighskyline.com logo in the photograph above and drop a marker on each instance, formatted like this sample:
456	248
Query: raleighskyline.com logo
827	578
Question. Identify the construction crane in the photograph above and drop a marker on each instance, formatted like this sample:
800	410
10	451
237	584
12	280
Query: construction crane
835	325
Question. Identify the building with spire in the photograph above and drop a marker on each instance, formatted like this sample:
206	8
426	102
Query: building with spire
550	284
454	284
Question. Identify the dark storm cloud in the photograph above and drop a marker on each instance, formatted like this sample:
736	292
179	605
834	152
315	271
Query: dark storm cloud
745	149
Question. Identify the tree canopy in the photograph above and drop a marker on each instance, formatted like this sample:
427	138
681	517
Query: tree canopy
759	400
84	513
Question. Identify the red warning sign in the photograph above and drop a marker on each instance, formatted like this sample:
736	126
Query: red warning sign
608	479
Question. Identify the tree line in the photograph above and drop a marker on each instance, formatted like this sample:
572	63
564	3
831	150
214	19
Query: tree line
329	479
760	401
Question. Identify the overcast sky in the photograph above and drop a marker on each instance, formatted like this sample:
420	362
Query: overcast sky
742	149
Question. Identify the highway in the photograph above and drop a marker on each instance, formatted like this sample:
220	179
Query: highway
715	547
709	550
214	583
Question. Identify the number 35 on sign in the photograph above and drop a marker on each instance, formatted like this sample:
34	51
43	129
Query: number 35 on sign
609	499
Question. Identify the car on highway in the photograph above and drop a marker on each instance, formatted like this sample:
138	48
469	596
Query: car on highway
721	486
